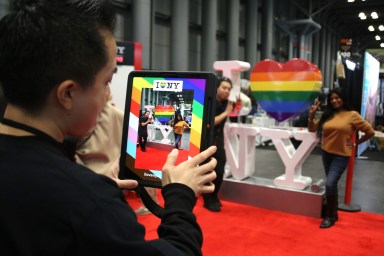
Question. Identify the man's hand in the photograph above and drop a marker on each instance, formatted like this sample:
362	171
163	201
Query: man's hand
198	178
229	108
113	173
313	109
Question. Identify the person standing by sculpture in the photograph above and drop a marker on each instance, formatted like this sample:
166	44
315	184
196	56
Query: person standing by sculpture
224	108
143	131
335	129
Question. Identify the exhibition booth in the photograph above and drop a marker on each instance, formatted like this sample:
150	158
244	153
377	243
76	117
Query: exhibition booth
283	92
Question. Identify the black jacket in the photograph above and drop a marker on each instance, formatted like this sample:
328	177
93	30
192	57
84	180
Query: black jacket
52	206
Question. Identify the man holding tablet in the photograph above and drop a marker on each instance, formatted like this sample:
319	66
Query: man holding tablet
58	57
197	91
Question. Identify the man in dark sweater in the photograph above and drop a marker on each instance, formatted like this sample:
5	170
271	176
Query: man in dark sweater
143	130
57	60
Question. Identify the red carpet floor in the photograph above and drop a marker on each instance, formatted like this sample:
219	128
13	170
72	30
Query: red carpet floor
154	159
246	230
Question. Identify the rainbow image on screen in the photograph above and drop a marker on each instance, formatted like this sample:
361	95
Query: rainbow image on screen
164	113
195	84
285	90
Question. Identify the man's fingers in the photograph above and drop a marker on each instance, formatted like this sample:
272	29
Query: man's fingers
202	156
171	159
208	188
126	184
208	177
208	167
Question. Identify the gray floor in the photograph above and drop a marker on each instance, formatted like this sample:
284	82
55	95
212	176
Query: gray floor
368	178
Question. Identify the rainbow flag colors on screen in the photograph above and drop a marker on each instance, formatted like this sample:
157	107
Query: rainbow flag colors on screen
198	87
285	90
164	113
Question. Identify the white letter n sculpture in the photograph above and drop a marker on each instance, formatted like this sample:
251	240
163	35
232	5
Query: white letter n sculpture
241	151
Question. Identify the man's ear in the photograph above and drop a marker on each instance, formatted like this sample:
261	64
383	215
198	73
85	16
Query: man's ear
66	91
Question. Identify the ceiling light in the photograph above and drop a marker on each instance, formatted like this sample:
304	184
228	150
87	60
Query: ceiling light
371	28
362	16
374	15
381	28
351	1
382	45
377	37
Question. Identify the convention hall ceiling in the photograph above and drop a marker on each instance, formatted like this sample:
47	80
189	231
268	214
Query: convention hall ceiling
343	17
354	27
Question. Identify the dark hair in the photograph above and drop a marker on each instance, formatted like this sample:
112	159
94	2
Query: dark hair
45	42
224	79
329	111
177	119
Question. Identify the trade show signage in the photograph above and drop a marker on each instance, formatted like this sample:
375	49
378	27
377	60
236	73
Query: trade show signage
128	58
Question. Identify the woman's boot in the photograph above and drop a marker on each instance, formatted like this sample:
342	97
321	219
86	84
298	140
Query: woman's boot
331	211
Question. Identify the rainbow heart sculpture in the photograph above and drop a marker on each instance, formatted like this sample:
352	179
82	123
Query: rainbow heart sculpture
164	113
285	90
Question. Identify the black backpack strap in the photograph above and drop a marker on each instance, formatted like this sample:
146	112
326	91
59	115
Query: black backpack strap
147	200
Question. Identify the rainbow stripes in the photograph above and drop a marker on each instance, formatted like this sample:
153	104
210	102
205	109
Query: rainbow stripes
198	88
285	91
164	113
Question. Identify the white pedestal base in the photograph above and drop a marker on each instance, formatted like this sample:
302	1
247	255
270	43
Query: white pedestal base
300	182
262	193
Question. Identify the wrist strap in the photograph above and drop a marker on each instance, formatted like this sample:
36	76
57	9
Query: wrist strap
147	200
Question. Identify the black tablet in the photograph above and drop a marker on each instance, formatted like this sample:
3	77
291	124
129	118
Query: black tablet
166	95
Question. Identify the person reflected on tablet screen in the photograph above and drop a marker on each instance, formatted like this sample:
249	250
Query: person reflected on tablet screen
143	130
51	205
178	128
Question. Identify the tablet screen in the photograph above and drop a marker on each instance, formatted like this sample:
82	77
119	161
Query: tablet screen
162	107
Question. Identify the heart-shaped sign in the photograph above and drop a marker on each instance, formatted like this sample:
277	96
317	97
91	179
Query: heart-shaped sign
164	113
285	90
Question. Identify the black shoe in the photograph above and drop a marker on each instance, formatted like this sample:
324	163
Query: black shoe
144	150
327	223
212	207
217	202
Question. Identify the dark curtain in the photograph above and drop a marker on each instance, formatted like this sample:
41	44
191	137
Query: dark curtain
3	104
352	86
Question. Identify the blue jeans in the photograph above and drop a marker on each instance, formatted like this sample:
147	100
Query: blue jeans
177	139
334	166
